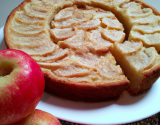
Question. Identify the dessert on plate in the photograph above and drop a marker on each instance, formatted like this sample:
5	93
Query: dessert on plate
89	50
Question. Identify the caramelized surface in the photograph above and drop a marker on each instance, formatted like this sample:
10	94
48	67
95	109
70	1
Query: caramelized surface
78	40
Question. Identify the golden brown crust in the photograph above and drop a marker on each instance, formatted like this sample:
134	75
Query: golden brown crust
144	4
150	77
20	7
84	92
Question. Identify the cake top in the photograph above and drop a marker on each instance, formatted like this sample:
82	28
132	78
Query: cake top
72	39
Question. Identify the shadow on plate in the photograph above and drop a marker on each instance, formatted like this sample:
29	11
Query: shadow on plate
124	100
2	45
2	42
69	104
127	99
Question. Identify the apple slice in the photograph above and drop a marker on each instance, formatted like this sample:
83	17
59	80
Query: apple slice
21	85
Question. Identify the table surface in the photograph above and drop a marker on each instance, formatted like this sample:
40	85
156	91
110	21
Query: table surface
6	6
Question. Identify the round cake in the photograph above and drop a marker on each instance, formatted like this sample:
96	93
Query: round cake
89	50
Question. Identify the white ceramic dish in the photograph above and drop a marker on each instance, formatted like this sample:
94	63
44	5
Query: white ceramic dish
126	109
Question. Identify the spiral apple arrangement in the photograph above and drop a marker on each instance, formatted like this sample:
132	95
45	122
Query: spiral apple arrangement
21	88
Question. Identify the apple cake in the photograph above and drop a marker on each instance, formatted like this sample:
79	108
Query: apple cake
89	50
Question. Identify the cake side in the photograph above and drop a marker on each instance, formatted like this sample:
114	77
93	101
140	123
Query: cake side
140	64
83	91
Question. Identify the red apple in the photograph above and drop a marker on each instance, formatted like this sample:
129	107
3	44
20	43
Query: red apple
39	117
21	85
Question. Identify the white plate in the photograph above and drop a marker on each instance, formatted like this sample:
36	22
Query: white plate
126	109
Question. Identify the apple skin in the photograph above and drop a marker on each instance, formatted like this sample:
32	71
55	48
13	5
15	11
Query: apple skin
21	85
39	117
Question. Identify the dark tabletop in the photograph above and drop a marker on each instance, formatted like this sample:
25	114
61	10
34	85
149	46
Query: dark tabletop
153	120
